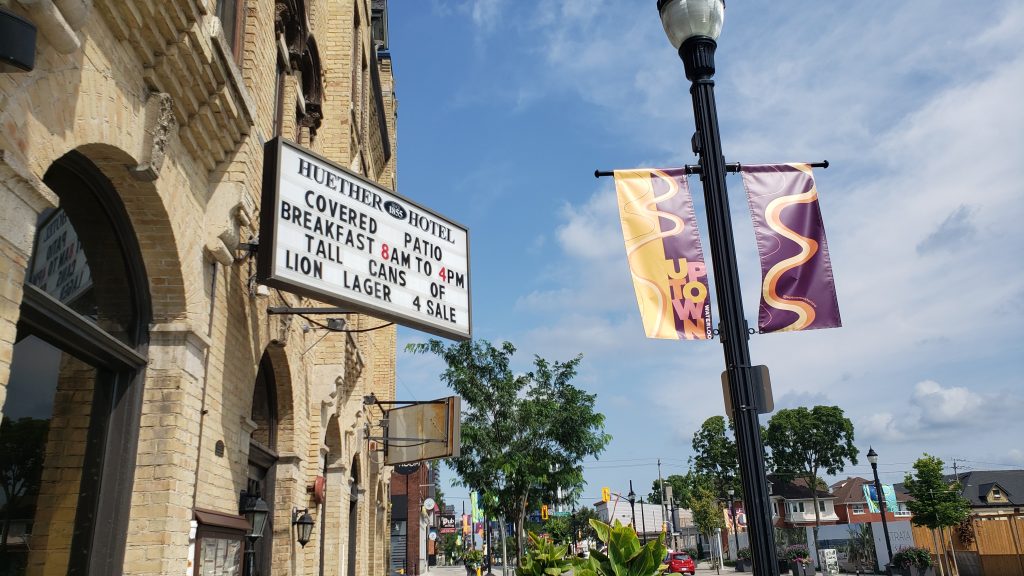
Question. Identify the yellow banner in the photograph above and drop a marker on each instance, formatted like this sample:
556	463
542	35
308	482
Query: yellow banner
664	253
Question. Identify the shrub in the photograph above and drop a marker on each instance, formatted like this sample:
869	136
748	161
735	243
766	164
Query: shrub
624	554
743	553
911	556
473	558
796	552
544	558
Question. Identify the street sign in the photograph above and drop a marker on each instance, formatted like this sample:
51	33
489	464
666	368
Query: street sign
763	400
447	524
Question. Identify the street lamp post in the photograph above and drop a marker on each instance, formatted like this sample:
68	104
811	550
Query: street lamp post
643	519
873	458
692	27
631	498
732	514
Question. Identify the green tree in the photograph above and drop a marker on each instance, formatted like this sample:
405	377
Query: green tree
580	521
22	449
806	442
707	511
559	528
715	456
524	436
682	489
938	502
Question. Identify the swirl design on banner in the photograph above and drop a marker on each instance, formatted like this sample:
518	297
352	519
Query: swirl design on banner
642	203
808	248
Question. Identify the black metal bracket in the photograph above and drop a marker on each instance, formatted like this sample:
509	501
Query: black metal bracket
291	310
371	399
696	169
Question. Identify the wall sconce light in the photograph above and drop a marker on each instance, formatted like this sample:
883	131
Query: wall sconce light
17	42
303	525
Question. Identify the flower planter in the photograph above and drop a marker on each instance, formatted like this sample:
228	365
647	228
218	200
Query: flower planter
743	565
801	569
470	570
914	571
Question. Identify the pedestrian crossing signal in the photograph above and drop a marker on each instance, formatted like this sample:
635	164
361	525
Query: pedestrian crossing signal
606	494
544	512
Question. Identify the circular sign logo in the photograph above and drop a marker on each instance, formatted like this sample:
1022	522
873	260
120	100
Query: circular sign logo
429	504
395	209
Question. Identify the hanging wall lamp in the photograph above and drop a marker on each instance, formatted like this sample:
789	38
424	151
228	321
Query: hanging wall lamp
303	525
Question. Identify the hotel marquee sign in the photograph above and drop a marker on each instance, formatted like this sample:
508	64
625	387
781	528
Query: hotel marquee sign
329	234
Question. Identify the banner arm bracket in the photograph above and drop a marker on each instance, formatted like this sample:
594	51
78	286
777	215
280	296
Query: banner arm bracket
695	168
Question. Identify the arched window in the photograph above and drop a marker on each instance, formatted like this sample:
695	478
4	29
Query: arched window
70	429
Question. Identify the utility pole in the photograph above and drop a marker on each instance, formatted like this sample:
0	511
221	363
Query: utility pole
661	497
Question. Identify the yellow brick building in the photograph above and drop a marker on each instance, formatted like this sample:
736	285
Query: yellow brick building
143	386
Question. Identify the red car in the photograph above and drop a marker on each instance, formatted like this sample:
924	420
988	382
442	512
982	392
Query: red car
680	562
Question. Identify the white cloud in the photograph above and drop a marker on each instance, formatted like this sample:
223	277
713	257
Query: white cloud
933	411
954	406
487	13
592	231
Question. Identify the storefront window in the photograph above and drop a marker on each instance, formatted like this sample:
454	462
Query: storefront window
71	414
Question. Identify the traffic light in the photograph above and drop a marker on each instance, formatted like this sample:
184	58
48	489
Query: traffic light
606	494
543	511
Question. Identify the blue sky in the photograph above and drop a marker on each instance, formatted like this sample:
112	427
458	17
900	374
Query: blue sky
506	107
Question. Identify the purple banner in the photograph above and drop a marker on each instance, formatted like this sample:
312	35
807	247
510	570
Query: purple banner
798	291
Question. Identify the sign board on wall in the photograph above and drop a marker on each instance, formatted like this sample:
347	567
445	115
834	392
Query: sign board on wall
423	431
329	234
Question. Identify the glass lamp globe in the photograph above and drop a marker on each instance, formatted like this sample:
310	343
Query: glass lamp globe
685	19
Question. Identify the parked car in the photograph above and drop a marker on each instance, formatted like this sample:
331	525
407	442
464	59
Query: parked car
680	563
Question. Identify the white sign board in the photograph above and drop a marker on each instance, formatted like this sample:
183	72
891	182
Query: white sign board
900	536
331	235
58	262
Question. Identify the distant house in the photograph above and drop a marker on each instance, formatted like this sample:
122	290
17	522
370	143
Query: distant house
793	504
990	492
852	507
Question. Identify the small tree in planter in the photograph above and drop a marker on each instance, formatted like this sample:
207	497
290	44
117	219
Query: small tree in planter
909	559
743	560
473	559
799	559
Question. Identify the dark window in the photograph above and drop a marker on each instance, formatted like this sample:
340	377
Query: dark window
232	20
262	458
